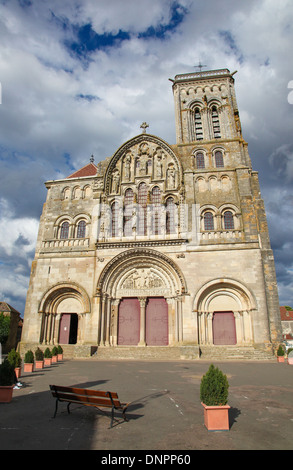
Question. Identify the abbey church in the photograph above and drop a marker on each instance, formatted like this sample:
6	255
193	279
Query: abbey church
161	250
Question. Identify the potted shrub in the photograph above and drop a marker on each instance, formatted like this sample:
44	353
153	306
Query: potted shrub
6	381
60	353
28	361
47	357
14	359
54	354
214	397
39	355
280	354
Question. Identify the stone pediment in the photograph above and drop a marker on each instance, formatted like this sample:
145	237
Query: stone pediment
143	158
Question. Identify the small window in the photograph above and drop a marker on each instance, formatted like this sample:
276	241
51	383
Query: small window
228	220
81	229
208	221
219	160
64	232
200	160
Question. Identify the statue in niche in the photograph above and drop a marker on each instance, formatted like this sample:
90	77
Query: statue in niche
159	167
105	222
171	176
127	163
115	181
143	153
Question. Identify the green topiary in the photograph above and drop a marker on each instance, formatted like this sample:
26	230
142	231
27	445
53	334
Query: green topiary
214	387
60	350
29	357
54	351
14	358
47	353
39	354
280	351
6	373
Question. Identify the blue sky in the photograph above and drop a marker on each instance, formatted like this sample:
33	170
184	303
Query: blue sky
79	77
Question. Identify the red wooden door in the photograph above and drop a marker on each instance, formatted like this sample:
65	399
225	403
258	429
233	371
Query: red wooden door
157	322
129	322
64	328
224	329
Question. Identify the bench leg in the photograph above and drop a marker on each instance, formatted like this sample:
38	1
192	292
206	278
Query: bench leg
56	407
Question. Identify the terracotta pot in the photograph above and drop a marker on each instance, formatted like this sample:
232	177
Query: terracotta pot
6	392
216	418
28	367
290	360
60	357
280	358
39	364
47	361
54	359
17	371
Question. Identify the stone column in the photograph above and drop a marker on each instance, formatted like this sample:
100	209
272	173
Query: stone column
142	302
114	322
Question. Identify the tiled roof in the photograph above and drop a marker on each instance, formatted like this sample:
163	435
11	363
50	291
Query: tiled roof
5	307
88	170
286	315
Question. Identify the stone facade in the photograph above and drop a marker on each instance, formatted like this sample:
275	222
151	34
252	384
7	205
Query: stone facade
160	245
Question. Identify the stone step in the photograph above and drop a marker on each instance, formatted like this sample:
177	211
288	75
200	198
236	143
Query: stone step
149	352
235	352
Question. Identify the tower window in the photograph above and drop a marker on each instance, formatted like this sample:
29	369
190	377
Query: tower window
81	229
200	160
228	220
216	123
64	230
219	160
208	221
198	124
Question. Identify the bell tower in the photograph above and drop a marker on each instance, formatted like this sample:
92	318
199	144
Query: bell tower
205	107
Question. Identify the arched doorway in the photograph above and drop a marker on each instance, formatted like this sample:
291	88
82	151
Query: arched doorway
140	288
224	313
61	307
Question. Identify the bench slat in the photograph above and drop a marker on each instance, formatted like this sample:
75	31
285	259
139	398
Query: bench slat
87	399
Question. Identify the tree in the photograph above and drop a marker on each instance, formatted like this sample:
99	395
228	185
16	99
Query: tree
4	327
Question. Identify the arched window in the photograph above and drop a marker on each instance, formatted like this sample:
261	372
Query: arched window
170	216
81	229
219	160
156	204
200	160
216	123
228	220
128	209
115	214
198	124
64	232
208	221
142	209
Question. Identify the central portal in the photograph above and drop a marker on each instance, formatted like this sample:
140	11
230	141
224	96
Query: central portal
155	318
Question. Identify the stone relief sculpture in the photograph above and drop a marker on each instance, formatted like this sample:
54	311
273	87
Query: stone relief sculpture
171	176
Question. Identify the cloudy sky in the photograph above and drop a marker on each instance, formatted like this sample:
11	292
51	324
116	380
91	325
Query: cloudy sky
78	77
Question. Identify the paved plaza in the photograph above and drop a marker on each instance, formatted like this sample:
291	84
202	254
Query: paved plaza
165	412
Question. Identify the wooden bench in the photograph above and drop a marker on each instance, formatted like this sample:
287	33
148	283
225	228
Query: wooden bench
87	397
